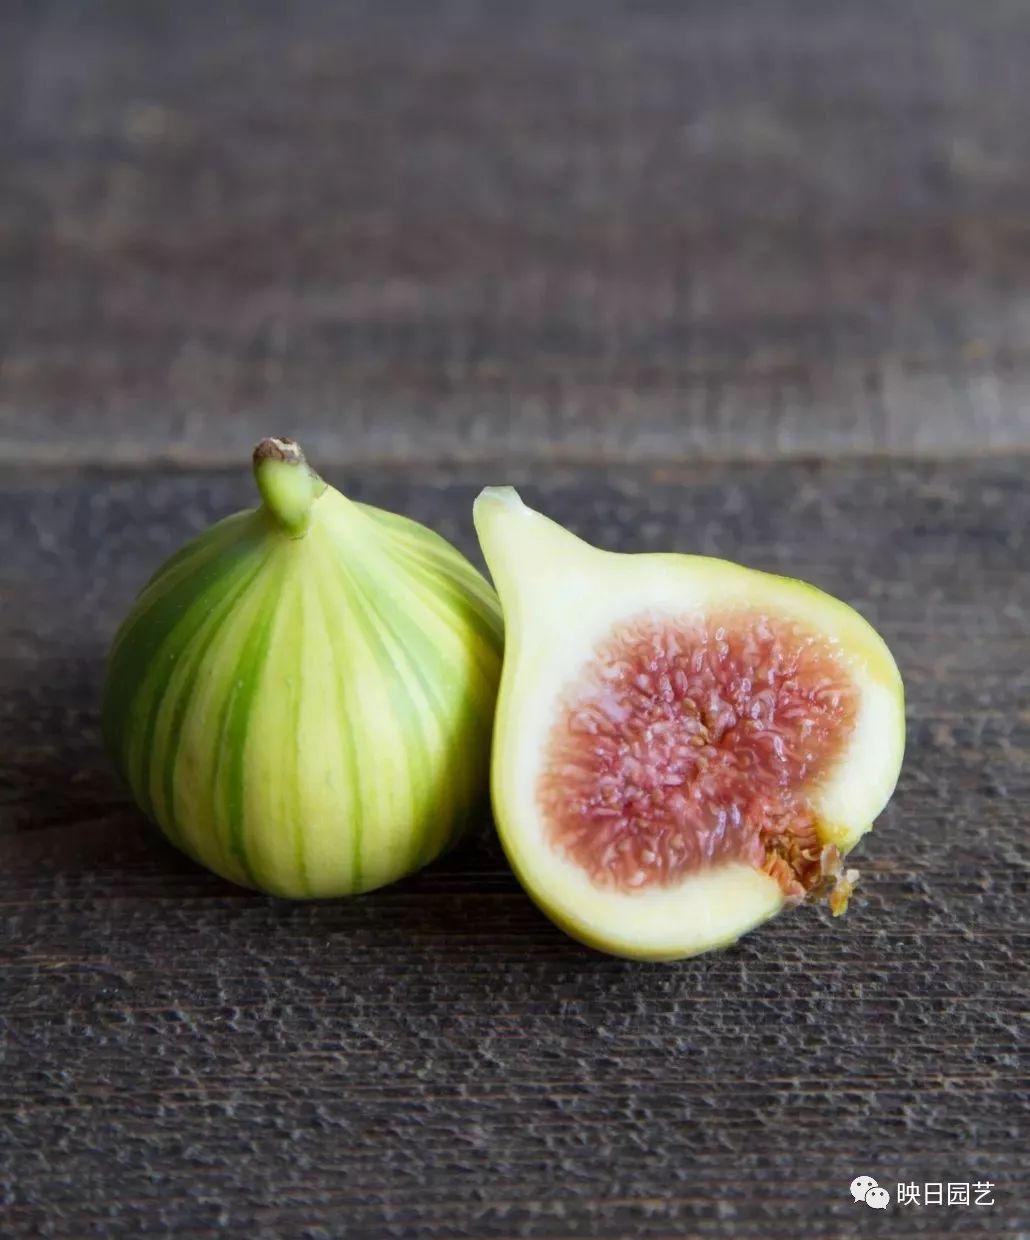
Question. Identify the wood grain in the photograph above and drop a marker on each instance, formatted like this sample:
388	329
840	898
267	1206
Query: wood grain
743	279
186	1058
455	231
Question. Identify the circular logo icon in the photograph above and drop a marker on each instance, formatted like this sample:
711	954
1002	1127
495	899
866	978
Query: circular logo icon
861	1185
878	1198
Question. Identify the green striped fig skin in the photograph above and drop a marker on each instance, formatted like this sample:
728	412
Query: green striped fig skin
311	715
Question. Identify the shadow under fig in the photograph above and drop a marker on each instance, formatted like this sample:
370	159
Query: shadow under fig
64	811
61	804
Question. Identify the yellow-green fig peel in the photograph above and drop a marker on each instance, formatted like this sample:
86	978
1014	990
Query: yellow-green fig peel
302	698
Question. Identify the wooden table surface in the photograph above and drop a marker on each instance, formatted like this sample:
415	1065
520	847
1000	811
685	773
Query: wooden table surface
751	280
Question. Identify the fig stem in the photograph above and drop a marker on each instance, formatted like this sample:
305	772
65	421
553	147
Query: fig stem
288	484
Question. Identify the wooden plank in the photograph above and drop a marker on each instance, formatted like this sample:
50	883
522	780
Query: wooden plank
444	231
435	1059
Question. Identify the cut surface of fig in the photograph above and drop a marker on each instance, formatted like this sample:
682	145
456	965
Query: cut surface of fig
682	745
686	743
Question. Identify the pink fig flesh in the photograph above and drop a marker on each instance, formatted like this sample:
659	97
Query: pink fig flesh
685	744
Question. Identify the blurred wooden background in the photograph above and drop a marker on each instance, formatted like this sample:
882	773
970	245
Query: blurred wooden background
581	231
750	279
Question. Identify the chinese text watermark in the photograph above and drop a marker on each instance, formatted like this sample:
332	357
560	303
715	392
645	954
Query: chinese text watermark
930	1193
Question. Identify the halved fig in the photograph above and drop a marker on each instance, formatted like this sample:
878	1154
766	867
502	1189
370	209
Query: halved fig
682	746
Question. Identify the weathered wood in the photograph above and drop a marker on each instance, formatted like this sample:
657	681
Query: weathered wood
450	231
446	233
183	1057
